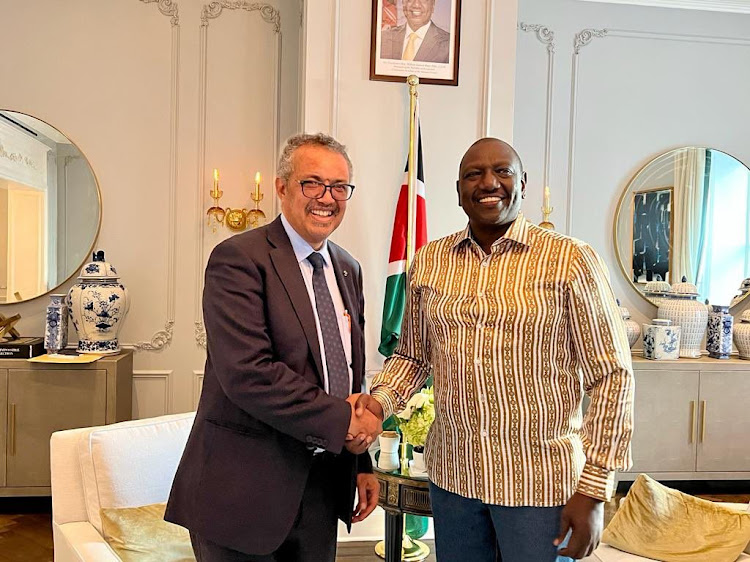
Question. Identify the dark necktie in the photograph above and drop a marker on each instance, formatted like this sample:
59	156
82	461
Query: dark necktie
338	372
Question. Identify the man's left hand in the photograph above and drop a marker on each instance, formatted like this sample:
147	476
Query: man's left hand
585	516
368	488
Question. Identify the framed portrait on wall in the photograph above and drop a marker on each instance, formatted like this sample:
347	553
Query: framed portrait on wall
652	234
420	37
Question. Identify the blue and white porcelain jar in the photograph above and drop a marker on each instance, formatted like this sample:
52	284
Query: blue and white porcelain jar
661	340
56	325
98	305
719	332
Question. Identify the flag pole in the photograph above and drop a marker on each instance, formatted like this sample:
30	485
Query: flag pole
411	227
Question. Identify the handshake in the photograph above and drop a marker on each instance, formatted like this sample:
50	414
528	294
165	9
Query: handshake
366	423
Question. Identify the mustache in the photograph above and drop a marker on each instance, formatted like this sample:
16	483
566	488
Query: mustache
318	207
495	193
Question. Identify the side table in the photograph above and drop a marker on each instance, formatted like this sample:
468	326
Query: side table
401	493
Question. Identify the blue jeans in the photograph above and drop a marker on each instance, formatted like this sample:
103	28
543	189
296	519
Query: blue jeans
469	530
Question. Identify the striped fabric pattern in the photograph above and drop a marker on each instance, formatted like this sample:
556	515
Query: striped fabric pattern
514	339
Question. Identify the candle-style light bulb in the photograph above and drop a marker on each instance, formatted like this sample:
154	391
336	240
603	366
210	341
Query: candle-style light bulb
257	186
546	211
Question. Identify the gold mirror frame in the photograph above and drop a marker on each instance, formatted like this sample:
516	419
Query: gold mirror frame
620	209
87	255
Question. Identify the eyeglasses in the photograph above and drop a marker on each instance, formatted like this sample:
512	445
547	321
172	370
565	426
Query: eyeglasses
314	189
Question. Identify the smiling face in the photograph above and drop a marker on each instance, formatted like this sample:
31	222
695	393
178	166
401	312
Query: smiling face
313	219
418	12
491	184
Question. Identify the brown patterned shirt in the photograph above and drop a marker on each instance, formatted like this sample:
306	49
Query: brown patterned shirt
514	339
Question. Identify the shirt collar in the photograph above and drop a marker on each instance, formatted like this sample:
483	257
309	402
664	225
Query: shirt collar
518	232
302	247
421	32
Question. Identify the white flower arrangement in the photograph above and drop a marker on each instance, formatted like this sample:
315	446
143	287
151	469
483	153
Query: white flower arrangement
417	417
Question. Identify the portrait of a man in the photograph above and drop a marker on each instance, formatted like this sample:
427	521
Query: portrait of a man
419	38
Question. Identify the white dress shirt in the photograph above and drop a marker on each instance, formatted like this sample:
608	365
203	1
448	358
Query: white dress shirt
421	32
302	249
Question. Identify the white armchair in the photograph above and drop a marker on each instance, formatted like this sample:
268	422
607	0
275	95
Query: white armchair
120	465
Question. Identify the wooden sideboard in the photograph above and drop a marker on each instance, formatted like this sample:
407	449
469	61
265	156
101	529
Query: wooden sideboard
37	399
692	419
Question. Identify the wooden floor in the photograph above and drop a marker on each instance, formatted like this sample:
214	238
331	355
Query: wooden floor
26	523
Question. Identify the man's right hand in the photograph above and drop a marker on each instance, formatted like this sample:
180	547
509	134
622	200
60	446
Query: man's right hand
364	427
365	401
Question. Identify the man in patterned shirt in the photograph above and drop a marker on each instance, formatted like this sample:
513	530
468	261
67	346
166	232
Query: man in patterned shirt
515	323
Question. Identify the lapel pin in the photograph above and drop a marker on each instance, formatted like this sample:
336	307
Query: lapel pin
346	273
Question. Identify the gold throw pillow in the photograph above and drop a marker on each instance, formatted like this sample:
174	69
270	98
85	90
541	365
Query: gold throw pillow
140	534
661	523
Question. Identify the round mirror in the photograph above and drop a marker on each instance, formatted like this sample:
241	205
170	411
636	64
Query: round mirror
687	213
50	208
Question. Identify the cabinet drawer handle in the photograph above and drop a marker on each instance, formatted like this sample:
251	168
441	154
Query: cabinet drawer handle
703	421
692	421
12	430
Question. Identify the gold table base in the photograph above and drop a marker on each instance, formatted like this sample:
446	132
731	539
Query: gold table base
411	550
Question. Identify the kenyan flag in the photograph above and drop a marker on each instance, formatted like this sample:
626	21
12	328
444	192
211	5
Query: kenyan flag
395	288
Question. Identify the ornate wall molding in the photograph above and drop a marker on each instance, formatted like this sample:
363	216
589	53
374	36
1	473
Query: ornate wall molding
333	125
162	338
18	158
582	38
489	15
547	37
267	12
197	387
168	8
585	37
149	375
732	6
212	11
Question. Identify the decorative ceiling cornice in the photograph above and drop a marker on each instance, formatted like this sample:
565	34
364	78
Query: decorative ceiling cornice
733	6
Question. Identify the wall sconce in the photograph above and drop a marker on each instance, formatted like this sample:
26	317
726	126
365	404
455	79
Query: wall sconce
215	213
238	220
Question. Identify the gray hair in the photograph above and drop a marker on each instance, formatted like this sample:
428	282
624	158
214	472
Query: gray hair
284	169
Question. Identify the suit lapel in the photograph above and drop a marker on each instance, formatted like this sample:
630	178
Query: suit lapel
428	44
345	281
285	262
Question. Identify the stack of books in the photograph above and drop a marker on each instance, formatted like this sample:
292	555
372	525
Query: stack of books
22	348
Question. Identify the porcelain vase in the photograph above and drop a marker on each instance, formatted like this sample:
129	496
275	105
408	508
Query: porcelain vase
388	459
719	332
661	340
98	306
56	326
632	328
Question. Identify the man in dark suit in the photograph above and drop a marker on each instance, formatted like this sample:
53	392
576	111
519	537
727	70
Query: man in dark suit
419	39
276	452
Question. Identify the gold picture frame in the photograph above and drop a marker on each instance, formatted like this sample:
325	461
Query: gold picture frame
432	53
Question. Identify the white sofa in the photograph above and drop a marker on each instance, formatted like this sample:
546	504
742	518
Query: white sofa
130	464
120	465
